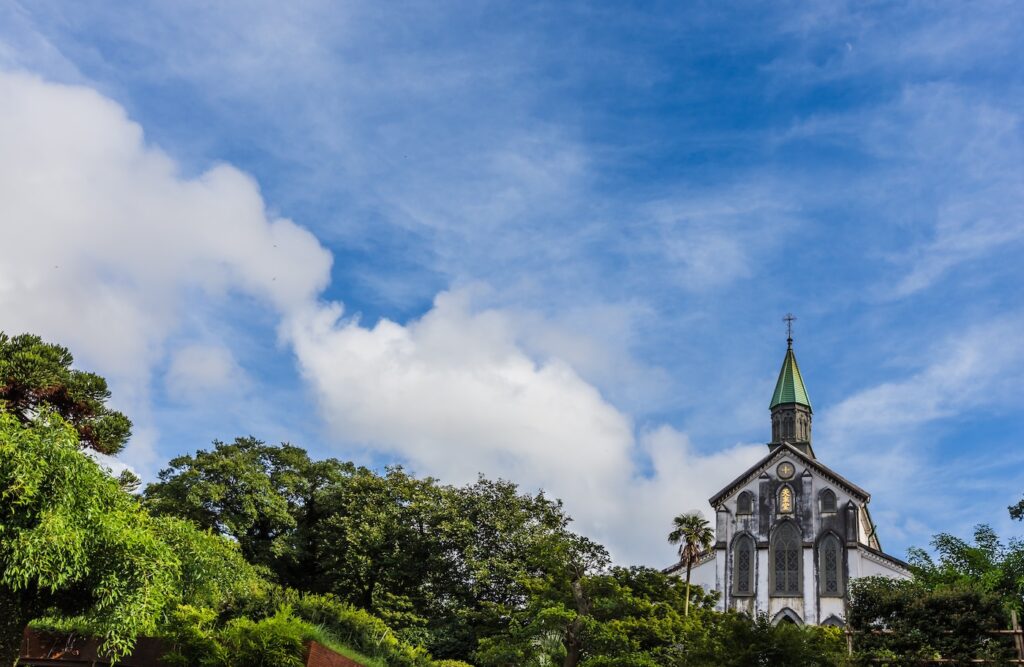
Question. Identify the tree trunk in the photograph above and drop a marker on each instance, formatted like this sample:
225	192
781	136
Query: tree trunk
686	603
13	619
367	593
573	641
573	650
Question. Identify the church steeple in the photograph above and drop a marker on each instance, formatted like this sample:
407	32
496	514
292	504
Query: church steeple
791	406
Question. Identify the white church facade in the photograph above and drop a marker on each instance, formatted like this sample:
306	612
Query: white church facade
791	533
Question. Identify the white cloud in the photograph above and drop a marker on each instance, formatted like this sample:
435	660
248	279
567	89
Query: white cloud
108	247
116	253
981	366
712	239
455	394
201	369
884	435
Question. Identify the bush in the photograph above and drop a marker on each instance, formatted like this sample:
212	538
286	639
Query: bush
361	630
922	624
194	641
735	640
277	641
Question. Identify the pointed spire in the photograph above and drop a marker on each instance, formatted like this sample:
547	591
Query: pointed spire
790	386
791	407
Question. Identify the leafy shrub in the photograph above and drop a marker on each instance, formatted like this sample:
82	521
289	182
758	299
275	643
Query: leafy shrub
736	640
194	641
72	542
903	622
360	630
277	641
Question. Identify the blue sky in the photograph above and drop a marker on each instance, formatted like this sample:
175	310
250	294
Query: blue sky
552	242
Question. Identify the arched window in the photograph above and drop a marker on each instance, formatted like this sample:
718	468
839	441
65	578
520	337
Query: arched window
786	500
786	552
787	615
828	500
743	554
830	566
745	503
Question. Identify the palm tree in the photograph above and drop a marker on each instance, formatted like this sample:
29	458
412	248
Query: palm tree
693	534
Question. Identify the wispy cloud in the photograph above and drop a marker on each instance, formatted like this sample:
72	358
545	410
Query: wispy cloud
644	191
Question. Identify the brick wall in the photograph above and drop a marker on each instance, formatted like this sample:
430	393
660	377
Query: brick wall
320	656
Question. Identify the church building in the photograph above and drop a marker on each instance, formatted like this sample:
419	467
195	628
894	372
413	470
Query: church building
791	533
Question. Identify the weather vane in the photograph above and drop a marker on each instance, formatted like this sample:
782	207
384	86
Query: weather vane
789	319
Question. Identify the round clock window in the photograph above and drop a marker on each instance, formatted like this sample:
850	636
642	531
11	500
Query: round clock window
785	470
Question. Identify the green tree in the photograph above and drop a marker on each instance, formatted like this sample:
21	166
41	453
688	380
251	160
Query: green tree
442	565
988	564
247	490
923	623
593	616
35	375
497	540
694	536
211	572
72	542
1017	511
734	639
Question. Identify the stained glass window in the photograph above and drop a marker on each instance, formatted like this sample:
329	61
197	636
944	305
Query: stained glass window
786	500
786	548
830	565
744	565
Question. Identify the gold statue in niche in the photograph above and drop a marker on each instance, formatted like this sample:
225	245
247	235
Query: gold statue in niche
786	500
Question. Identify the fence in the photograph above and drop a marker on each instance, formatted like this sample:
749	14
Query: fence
1015	632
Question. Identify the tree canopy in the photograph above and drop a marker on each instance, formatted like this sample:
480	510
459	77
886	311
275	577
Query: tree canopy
240	553
35	375
694	535
988	565
72	541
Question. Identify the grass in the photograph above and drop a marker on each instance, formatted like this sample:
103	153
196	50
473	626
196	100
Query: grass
323	636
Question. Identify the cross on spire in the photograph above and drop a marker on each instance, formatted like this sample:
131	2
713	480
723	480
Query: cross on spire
789	319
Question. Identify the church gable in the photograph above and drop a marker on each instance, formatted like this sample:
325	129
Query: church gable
767	467
788	487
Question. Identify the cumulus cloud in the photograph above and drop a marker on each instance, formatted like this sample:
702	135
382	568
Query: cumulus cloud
108	246
200	369
455	393
116	253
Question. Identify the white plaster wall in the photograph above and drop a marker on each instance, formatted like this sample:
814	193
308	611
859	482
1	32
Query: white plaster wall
872	566
809	613
762	581
831	607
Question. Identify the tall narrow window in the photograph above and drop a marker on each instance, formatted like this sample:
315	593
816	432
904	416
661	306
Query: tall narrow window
828	501
743	565
745	503
786	500
786	548
830	566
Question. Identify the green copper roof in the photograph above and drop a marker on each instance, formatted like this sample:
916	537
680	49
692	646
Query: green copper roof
790	387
